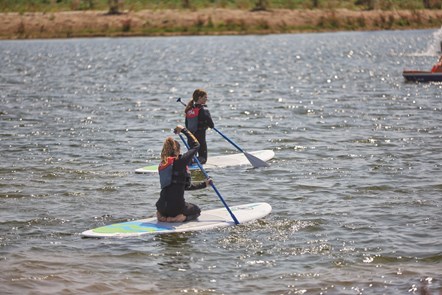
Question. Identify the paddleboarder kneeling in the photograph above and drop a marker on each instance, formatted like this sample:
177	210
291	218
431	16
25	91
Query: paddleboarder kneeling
175	179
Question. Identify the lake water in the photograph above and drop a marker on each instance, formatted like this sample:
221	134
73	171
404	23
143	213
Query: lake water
355	185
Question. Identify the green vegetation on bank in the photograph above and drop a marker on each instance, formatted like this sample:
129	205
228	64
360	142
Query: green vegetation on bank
137	5
109	18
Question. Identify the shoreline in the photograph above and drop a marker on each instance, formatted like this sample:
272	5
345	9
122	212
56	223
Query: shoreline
74	24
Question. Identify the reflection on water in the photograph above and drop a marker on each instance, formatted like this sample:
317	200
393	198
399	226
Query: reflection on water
354	186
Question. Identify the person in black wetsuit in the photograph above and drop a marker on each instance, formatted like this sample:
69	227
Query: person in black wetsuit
175	178
198	119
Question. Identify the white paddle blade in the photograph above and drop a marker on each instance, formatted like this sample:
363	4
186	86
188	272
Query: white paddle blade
256	162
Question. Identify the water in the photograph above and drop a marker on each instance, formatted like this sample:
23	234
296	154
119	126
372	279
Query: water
355	185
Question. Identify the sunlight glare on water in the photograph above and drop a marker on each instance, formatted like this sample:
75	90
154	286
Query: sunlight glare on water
355	184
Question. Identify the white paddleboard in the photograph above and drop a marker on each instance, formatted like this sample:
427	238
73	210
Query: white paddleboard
223	161
208	219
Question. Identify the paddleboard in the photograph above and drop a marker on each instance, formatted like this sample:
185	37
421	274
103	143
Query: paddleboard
208	219
223	161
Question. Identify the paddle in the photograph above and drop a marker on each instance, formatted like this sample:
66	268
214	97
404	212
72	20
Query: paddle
213	186
256	162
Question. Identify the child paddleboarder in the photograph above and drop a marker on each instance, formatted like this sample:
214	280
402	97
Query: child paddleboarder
175	179
198	119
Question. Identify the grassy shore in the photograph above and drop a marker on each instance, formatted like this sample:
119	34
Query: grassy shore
207	21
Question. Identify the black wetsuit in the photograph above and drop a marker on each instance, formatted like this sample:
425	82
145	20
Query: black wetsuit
171	202
204	121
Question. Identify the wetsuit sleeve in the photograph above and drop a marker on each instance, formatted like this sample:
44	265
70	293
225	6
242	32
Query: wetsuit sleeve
196	186
194	145
207	118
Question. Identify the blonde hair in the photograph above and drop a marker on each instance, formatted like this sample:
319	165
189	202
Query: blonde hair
171	148
197	94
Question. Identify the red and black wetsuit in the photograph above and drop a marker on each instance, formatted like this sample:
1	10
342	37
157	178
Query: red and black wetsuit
171	202
198	119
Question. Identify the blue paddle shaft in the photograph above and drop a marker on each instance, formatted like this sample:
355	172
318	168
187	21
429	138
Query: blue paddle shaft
256	162
229	140
219	132
213	186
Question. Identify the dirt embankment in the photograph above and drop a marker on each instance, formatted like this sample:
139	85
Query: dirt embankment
207	22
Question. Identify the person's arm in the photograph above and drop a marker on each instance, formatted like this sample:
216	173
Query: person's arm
193	186
207	118
200	185
194	145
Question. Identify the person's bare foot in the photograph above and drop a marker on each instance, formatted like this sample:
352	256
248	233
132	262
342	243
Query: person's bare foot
178	218
161	218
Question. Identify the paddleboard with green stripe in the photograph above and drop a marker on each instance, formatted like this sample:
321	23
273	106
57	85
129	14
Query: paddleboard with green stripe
209	219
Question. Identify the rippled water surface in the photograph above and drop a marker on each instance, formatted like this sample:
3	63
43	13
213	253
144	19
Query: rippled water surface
355	185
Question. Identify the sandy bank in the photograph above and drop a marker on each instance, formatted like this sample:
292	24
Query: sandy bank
207	22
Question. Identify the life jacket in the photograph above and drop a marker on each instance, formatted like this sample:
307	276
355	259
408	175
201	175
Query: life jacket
192	118
168	175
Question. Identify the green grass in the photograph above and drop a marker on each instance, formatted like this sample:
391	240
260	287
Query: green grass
330	20
136	5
